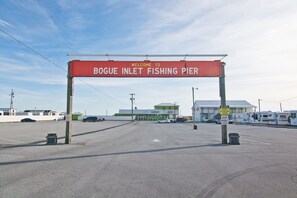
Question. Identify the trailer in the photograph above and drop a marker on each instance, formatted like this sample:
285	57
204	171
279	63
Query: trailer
293	118
279	118
261	117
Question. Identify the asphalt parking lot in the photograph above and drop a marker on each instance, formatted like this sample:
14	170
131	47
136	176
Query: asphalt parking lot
146	159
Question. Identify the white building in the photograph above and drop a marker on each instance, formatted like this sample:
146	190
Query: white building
42	112
10	115
7	111
279	118
207	109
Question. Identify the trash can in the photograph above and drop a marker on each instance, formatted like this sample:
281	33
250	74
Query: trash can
51	138
234	138
195	127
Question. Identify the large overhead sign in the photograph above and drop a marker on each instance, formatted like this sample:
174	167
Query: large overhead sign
145	68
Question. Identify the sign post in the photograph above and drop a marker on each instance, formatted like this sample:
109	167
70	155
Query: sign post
223	102
69	105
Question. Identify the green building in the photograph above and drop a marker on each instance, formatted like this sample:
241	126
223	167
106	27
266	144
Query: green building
160	112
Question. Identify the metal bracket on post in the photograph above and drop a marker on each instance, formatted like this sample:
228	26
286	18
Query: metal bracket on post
69	105
223	102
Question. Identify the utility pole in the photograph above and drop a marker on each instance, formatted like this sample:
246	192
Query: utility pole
11	102
69	106
11	99
281	108
132	101
194	112
259	100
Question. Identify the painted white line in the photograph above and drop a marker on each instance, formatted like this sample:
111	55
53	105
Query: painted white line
257	141
39	138
11	140
156	140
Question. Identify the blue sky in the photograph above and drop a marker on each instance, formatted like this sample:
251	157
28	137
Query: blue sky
259	37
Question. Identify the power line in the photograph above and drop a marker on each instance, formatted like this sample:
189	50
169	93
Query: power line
35	19
285	100
33	50
36	52
100	91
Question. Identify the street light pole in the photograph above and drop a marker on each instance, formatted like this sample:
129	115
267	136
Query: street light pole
132	101
194	112
259	100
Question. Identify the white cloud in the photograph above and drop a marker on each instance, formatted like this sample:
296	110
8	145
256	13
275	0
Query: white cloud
258	36
37	13
77	22
42	78
6	24
76	4
8	65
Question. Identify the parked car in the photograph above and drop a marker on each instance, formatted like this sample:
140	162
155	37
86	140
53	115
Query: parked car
180	120
101	119
27	120
166	121
90	119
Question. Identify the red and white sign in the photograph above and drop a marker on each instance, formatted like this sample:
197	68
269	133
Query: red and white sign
145	68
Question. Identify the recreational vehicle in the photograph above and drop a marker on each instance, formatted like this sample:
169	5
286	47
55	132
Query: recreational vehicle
279	118
261	117
293	118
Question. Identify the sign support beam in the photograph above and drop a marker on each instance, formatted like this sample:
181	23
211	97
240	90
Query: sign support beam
69	105
223	102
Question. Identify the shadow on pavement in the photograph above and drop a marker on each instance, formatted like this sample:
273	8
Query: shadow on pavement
113	154
42	142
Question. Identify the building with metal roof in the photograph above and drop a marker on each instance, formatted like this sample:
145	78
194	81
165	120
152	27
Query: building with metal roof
7	111
206	110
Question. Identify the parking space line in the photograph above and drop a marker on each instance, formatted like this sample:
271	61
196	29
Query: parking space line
39	138
257	141
11	140
156	140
